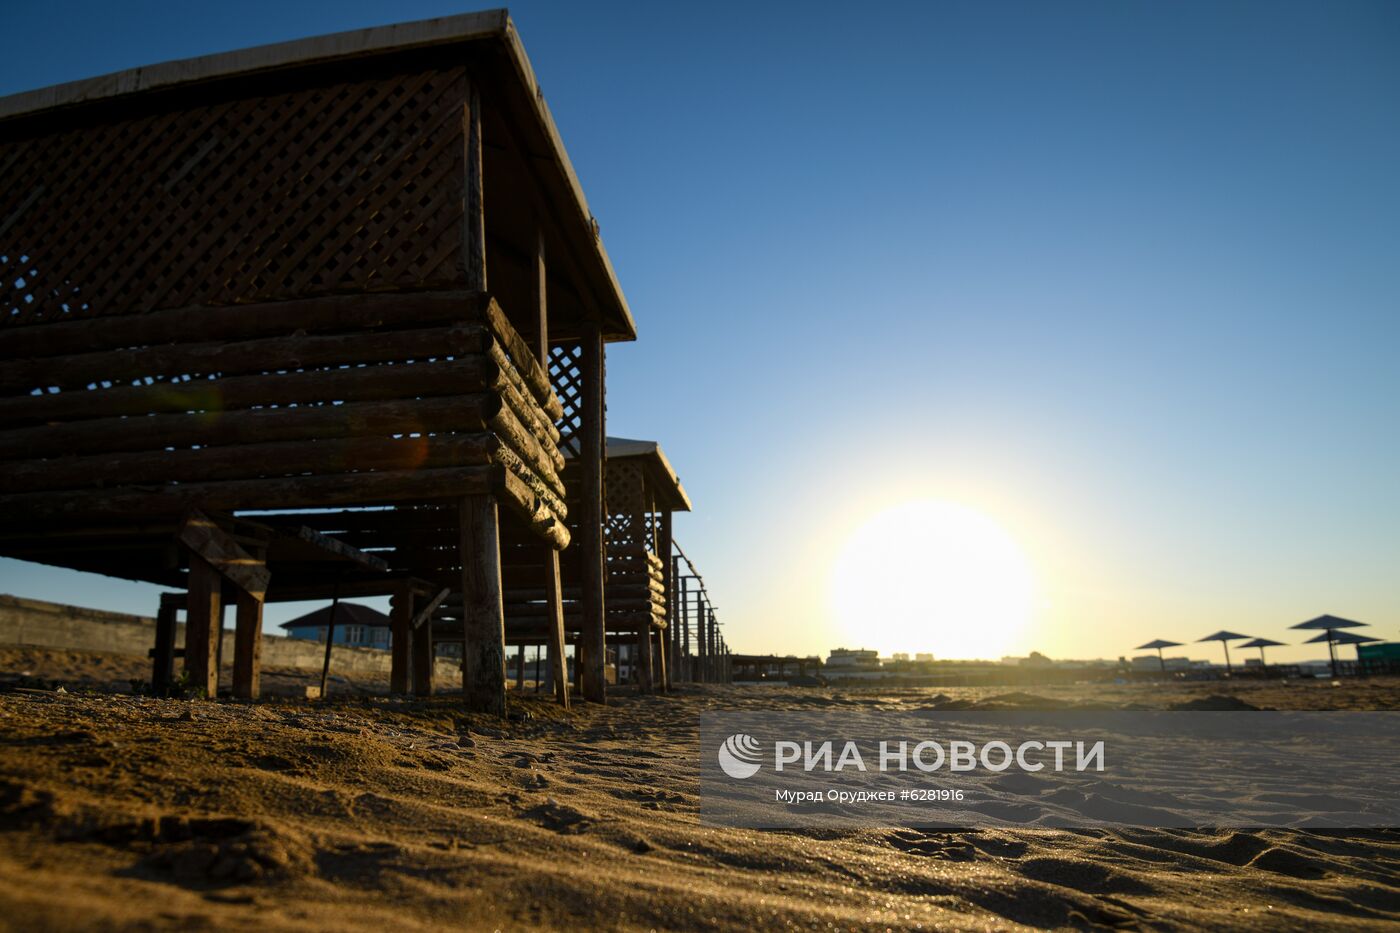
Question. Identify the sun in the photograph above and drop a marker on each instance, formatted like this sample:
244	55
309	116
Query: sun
932	576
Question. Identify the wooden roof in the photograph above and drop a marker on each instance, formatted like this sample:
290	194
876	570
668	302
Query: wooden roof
490	45
659	471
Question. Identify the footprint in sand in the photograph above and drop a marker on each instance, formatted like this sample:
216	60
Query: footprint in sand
932	845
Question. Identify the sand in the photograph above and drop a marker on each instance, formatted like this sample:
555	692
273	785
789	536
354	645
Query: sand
367	812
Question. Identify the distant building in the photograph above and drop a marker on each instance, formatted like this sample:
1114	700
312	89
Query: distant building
900	656
846	659
924	656
1150	662
355	625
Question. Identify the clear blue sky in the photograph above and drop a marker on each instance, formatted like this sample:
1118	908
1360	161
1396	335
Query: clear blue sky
1123	276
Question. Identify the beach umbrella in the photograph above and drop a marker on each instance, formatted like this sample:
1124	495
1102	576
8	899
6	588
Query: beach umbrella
1159	644
1261	644
1224	637
1330	625
1342	638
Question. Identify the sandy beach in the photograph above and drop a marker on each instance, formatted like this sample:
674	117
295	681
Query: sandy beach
126	812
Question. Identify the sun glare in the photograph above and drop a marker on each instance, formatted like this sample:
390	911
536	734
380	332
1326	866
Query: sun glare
932	576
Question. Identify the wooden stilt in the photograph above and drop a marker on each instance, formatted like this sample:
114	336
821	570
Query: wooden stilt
483	613
401	637
203	618
663	670
330	643
643	661
593	639
554	597
520	668
247	646
683	611
163	655
666	639
423	665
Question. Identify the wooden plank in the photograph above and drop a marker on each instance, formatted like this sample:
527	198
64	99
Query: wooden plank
226	324
401	639
464	413
472	374
252	461
203	627
247	646
526	403
285	493
555	609
593	556
220	551
483	616
522	500
338	548
523	359
250	356
427	611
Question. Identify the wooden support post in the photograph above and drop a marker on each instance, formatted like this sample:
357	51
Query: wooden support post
644	661
666	639
539	676
423	664
663	672
247	646
554	598
401	636
520	668
483	612
592	639
702	637
683	609
163	656
203	626
541	298
473	202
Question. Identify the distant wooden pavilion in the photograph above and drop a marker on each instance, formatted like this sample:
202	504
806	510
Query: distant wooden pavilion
258	281
643	492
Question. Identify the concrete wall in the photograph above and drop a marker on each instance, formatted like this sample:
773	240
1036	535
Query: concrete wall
55	625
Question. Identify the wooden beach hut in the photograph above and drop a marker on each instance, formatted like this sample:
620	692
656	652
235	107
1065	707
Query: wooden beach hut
642	493
337	277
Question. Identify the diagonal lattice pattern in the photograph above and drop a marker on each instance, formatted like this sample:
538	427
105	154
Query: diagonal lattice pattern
566	376
350	186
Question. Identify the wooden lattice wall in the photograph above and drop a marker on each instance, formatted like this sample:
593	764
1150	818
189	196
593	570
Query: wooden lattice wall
350	186
565	374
